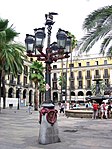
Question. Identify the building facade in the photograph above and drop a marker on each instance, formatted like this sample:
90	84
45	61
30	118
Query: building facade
20	87
80	73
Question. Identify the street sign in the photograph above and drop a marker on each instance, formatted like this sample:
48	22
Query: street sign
47	87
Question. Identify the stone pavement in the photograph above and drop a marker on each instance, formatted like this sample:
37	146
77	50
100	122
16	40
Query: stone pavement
20	130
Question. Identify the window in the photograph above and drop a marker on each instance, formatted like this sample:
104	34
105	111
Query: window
105	62
25	70
72	75
97	72
88	73
55	75
80	84
71	65
88	64
25	80
54	85
72	84
79	64
54	66
31	59
106	72
96	63
88	83
80	73
18	79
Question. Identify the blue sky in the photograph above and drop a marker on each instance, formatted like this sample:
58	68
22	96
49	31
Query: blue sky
29	14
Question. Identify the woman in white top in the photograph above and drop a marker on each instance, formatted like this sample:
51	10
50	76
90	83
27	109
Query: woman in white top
102	110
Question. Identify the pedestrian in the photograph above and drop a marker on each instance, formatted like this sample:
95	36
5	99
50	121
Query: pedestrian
102	108
95	110
62	108
109	110
29	108
106	111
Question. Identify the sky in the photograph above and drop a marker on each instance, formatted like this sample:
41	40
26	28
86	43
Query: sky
25	15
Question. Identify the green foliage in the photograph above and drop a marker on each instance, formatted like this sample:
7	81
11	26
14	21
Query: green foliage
11	53
74	41
98	25
41	86
36	74
62	80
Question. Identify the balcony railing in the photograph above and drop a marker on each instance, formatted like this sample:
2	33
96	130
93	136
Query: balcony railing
97	76
106	76
80	77
54	88
12	82
72	78
54	79
80	87
72	87
88	77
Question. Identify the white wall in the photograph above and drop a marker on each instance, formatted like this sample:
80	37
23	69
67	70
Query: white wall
13	101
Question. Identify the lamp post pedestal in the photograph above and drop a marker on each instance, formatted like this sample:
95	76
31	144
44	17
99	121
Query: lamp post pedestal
49	128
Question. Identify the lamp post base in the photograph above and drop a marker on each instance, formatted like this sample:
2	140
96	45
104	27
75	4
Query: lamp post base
48	133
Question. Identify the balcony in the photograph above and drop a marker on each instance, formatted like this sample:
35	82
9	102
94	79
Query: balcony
12	83
88	77
72	78
97	76
26	73
31	85
72	87
54	88
26	85
106	76
80	87
19	83
54	79
79	77
87	87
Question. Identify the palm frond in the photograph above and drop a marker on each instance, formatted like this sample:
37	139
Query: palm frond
92	37
97	17
109	52
105	43
10	34
3	24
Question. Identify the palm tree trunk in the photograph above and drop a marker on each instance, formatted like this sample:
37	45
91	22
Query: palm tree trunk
0	89
61	97
36	99
4	91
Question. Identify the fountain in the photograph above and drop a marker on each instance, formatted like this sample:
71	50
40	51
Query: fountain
87	112
98	96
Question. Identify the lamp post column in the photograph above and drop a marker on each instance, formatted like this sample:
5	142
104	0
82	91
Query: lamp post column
18	99
48	67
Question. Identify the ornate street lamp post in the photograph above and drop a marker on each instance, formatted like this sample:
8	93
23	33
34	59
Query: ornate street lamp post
55	51
18	90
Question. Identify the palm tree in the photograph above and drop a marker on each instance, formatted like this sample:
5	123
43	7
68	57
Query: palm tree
98	25
74	44
36	75
42	90
11	53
